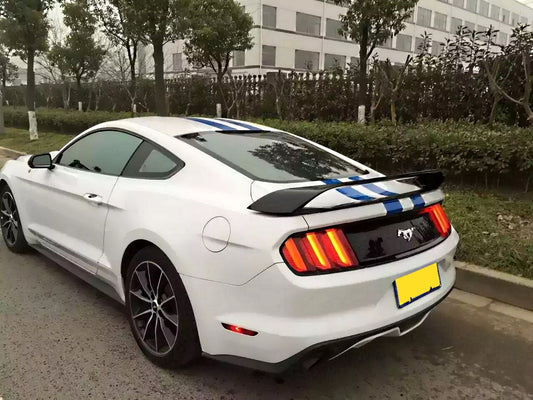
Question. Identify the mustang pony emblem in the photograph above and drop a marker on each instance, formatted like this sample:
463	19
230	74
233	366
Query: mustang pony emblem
407	234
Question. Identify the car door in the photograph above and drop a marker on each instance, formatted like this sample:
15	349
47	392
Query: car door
68	205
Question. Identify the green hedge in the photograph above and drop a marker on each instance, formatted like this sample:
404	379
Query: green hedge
466	152
59	120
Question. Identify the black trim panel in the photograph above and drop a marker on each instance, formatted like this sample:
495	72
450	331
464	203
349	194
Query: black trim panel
84	275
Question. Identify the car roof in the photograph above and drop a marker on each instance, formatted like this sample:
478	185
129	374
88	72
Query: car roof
173	126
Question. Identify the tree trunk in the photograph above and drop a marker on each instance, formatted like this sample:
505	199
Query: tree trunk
78	89
393	111
220	85
363	85
2	125
159	75
30	96
132	57
492	118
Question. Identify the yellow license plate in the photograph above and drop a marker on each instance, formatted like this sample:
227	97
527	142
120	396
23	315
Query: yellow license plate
417	284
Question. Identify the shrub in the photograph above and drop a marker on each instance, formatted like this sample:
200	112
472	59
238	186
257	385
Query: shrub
59	120
466	152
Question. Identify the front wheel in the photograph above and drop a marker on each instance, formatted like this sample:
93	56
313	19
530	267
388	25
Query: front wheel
159	311
10	220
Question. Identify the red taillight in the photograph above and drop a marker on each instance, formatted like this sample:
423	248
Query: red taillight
439	219
238	329
326	250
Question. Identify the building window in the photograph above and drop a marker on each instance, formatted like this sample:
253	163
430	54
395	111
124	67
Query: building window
332	29
523	20
484	8
177	62
502	38
269	55
308	60
470	26
483	32
471	5
334	61
306	23
459	3
404	42
495	12
419	42
505	16
440	21
411	18
269	16
387	43
354	62
238	58
423	17
514	19
436	48
456	24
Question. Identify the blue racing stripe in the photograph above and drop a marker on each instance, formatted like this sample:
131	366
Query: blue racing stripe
373	188
418	201
349	191
212	123
239	123
354	194
378	190
331	181
393	206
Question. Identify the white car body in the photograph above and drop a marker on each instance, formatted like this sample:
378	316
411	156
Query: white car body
227	255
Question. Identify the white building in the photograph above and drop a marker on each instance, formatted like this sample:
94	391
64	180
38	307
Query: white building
303	34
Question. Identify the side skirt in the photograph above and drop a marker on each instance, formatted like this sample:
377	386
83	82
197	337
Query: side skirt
91	279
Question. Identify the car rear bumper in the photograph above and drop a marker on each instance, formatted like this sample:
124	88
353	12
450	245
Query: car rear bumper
314	317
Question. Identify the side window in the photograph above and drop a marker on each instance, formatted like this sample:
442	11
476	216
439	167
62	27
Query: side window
105	152
151	162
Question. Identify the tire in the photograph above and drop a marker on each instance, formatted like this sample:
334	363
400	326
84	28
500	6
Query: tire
10	219
163	325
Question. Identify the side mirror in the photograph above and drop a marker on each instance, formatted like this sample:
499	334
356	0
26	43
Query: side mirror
41	161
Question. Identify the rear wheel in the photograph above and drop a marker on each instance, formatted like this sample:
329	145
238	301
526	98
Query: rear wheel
10	220
159	310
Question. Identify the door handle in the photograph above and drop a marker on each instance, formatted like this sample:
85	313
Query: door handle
93	198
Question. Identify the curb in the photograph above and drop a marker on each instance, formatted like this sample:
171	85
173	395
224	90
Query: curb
486	282
10	153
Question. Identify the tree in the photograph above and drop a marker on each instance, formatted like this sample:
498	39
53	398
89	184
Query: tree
123	27
81	55
24	29
8	73
393	78
8	70
520	50
218	28
162	21
370	23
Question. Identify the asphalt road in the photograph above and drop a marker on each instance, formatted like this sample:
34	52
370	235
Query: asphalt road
62	339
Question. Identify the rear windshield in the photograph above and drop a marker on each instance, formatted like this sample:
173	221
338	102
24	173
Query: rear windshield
272	156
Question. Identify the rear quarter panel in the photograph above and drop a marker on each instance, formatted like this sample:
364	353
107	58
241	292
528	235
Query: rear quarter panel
172	214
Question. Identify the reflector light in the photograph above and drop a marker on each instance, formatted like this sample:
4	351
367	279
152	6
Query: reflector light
326	250
439	219
238	329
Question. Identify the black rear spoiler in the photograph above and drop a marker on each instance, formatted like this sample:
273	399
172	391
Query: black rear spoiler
293	200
